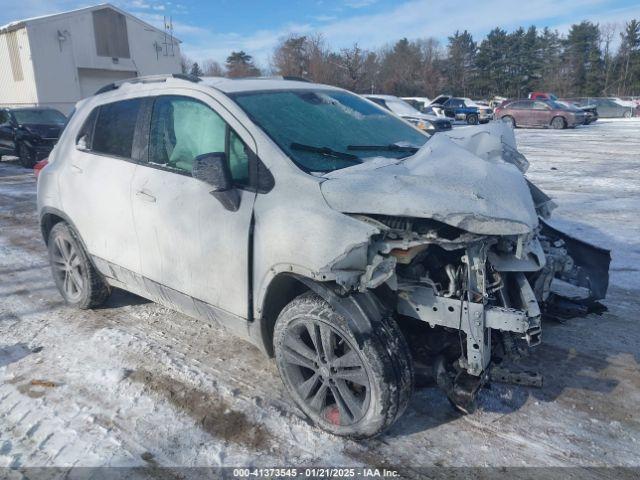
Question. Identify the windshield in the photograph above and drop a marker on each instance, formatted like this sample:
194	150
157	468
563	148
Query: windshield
318	129
401	107
43	117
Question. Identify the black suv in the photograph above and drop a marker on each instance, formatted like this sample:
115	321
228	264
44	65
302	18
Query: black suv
29	133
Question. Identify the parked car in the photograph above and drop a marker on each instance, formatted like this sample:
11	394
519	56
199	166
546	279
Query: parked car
29	133
608	107
459	108
318	226
419	103
590	111
539	113
429	123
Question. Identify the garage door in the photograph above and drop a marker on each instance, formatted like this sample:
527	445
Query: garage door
92	79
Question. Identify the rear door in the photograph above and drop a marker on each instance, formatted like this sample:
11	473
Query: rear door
96	194
188	240
522	112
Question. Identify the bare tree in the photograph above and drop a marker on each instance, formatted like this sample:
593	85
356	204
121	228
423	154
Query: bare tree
211	68
185	64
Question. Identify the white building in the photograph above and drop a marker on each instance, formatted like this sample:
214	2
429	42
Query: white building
56	60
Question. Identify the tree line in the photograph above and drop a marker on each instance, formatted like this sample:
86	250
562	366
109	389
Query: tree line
590	60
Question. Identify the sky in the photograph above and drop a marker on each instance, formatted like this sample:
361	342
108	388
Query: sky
211	29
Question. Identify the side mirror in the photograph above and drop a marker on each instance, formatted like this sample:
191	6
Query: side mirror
213	169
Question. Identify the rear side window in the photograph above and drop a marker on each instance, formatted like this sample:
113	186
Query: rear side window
115	127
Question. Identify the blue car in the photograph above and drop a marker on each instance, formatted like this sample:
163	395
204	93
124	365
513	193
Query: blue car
465	109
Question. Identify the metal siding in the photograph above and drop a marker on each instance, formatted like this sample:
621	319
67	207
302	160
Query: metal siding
17	85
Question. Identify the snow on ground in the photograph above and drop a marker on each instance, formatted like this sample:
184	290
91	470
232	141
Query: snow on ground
135	384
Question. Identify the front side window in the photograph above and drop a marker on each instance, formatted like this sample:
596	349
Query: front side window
318	129
183	128
115	127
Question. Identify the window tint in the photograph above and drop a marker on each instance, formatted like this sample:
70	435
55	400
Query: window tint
4	118
87	129
115	126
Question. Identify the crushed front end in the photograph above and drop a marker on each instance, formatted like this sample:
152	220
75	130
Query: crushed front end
468	301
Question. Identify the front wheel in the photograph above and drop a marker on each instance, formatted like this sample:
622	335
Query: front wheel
27	158
472	119
558	123
345	387
77	280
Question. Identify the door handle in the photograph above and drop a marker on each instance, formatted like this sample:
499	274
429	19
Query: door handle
146	196
76	169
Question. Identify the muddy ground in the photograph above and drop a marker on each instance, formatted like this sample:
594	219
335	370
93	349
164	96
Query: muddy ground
135	384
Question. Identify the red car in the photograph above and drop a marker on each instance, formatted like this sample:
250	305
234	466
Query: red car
539	113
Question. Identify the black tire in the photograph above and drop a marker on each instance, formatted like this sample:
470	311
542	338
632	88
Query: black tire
78	281
27	158
558	123
380	372
472	119
509	119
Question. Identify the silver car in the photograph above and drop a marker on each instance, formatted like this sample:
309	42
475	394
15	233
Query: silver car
330	233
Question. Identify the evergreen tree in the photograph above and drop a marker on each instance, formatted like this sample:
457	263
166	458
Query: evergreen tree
195	70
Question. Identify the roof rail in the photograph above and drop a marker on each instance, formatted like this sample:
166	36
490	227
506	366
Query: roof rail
148	79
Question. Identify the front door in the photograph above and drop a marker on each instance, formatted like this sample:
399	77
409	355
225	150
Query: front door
188	240
541	113
6	134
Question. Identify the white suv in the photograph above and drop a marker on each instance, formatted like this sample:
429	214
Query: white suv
328	232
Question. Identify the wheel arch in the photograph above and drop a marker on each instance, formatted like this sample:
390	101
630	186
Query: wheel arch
362	310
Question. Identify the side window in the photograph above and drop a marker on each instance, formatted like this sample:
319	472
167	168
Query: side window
87	129
4	118
540	106
115	126
238	159
182	129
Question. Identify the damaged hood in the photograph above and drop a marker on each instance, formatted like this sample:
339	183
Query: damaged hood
471	178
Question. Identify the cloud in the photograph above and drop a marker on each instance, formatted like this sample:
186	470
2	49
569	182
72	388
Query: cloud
420	19
359	3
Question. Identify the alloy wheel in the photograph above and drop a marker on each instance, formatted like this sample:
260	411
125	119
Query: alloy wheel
67	266
327	372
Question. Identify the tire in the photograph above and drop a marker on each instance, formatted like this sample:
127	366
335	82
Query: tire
380	372
627	114
79	283
509	119
472	119
558	123
27	158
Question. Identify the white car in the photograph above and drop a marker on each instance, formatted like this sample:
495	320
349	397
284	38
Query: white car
424	121
318	226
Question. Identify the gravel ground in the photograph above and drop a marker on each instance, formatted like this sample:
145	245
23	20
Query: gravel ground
135	384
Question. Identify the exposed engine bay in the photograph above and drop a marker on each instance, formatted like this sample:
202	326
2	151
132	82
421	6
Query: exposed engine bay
472	289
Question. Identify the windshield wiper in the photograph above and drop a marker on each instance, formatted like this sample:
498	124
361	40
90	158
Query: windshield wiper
326	151
393	147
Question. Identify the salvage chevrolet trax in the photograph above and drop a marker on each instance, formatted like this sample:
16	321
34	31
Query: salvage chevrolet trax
333	235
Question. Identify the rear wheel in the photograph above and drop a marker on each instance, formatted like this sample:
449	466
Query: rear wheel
344	388
78	281
27	158
472	119
558	123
